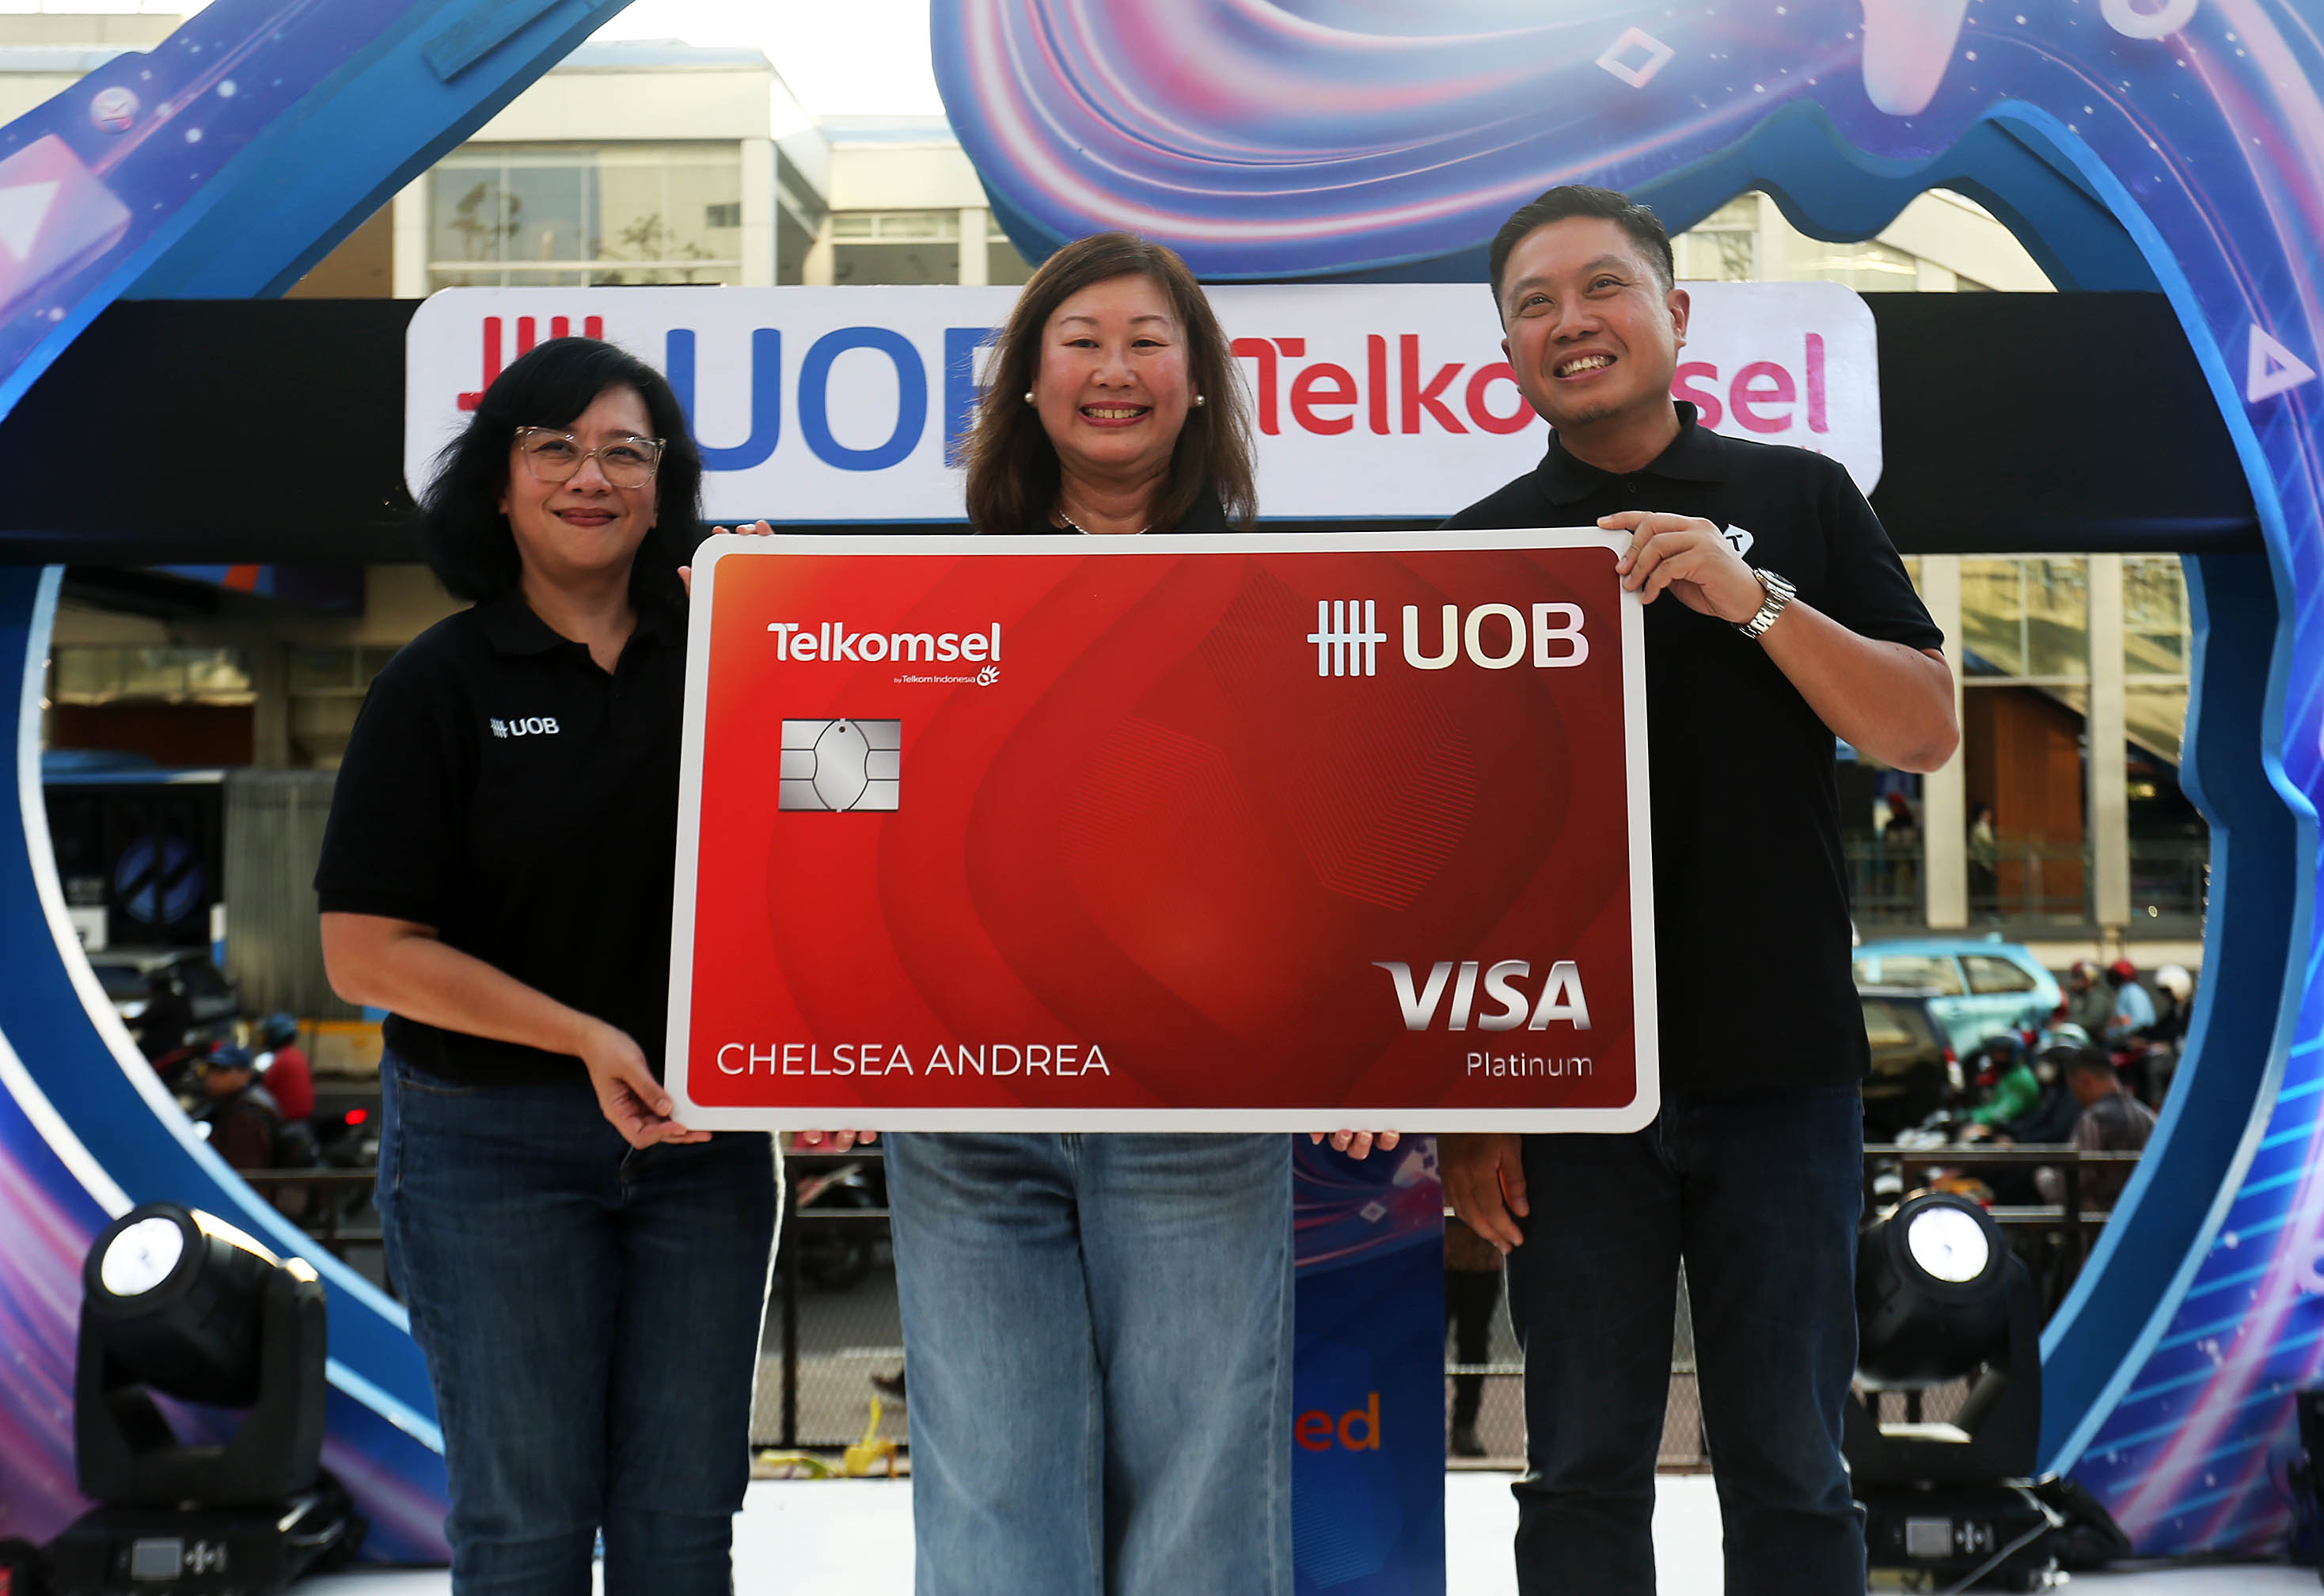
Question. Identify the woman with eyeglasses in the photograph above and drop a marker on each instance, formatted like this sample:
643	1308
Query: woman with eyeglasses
586	1274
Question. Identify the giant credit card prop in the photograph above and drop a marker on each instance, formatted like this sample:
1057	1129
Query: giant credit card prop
1249	832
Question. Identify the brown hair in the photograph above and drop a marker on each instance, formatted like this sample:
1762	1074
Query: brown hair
1012	466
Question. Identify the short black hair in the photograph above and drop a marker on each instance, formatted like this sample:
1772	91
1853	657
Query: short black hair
1580	200
467	539
2090	1061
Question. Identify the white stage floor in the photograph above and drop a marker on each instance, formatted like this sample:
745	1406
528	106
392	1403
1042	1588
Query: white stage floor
855	1535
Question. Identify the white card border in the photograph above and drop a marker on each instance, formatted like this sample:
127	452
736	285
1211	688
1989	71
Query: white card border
1636	1115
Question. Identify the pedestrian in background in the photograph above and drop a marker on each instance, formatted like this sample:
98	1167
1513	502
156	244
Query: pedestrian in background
1472	1291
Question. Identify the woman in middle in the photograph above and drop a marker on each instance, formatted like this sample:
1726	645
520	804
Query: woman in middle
1099	1326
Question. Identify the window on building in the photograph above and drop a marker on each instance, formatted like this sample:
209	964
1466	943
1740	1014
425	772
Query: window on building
2028	619
1748	240
895	246
1870	267
335	670
799	213
2169	845
1724	247
572	215
2026	646
2157	647
166	675
1002	264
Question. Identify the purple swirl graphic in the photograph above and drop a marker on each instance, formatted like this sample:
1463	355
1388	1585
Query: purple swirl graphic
1272	139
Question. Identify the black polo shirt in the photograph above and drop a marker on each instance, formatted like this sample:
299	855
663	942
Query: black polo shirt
1751	923
501	789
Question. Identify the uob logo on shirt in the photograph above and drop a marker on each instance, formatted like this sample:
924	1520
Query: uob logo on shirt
534	725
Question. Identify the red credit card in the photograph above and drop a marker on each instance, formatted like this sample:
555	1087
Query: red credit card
1256	831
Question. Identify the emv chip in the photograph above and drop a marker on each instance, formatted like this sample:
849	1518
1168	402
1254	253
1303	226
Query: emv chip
841	765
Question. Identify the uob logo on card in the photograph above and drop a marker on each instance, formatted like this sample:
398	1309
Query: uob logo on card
1222	832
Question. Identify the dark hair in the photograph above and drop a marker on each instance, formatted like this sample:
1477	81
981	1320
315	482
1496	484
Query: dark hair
2090	1061
1580	200
469	544
1012	466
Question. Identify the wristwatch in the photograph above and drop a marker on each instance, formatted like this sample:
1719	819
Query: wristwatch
1780	593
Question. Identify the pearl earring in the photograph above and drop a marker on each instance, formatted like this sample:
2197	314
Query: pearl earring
1198	401
1028	396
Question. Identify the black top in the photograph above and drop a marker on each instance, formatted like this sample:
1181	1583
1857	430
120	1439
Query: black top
1751	924
502	789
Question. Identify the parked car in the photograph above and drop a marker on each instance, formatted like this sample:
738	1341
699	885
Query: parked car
1976	988
1914	1072
169	998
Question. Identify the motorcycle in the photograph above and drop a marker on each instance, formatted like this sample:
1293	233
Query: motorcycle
347	1139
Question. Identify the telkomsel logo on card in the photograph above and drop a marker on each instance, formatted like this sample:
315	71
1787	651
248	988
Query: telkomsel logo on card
842	766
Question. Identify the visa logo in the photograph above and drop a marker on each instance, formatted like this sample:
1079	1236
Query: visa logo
1561	995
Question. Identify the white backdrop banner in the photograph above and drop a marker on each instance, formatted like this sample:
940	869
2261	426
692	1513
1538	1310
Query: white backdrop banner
816	405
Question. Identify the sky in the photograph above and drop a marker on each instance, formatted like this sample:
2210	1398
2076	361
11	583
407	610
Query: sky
842	58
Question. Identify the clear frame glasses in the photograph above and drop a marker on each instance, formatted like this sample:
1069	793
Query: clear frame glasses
555	456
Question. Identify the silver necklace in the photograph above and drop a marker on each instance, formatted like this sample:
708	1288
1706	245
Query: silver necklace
1085	532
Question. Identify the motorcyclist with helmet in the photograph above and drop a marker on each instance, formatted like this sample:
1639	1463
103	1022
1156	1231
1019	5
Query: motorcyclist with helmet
289	1077
2089	1001
2131	1012
2015	1090
244	1118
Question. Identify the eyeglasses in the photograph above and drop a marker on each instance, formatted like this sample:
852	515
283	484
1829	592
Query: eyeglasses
556	456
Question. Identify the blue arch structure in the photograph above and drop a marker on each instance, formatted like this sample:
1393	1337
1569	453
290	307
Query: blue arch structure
2118	140
2174	146
196	171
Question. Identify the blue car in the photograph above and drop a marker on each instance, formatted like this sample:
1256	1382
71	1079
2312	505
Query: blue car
1977	988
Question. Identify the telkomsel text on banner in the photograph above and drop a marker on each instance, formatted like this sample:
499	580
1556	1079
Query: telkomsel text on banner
1266	832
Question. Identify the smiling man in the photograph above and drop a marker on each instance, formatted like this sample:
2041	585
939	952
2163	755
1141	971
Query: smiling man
1777	616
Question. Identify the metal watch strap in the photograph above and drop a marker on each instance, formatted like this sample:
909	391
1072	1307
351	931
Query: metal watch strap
1780	593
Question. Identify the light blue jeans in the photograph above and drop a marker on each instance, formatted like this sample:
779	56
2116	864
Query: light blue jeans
1098	1331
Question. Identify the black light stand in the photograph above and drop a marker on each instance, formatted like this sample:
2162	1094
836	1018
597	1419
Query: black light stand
1940	1298
178	1304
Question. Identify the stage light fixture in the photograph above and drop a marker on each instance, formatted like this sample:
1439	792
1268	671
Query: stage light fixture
179	1304
1940	1298
1932	1293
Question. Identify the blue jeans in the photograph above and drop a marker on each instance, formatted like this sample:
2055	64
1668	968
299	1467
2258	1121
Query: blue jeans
590	1316
1098	1331
1759	1195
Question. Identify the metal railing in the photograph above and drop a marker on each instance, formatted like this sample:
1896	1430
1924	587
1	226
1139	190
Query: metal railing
1885	880
2170	881
2032	885
2053	1238
310	1199
783	1309
815	1397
